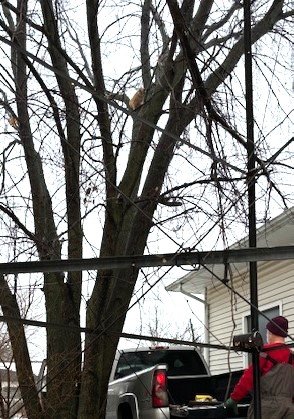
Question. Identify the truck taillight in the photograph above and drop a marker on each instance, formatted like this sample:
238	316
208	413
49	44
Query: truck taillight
159	389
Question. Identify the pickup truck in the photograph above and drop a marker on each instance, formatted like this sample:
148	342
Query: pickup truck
162	383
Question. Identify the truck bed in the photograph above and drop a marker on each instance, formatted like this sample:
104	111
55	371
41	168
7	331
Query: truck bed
182	394
183	390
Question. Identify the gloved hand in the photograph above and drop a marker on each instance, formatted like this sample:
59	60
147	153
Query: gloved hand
231	405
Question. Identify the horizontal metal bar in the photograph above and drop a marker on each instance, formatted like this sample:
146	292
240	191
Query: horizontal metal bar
122	335
193	343
38	323
215	257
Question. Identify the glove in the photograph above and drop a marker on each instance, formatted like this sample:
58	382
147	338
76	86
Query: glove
231	405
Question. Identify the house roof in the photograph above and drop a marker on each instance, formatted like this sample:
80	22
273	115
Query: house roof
277	232
8	375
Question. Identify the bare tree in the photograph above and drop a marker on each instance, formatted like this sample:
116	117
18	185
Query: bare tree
159	326
79	149
5	347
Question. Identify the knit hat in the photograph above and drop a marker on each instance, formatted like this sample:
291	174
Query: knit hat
278	326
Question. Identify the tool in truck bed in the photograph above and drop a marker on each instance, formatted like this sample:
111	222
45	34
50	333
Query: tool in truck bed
209	410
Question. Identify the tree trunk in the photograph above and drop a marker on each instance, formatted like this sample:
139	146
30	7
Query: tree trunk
21	356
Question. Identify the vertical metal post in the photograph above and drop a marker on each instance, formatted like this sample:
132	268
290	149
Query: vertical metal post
251	198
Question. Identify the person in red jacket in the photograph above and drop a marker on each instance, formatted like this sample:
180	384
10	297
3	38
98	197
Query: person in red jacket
277	376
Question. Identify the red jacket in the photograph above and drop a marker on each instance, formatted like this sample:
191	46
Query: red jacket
245	384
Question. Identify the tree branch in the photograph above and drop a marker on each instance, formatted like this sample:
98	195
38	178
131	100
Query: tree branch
5	104
7	14
161	26
103	115
119	97
287	14
17	221
217	25
221	41
200	19
75	38
144	47
273	15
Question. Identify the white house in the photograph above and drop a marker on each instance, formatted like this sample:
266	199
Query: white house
11	401
227	314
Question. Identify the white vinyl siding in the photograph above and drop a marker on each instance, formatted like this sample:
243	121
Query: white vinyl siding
275	287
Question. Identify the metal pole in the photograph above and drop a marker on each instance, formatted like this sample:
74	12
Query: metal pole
209	257
251	199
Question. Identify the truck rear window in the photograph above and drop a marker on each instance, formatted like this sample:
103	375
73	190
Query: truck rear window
179	362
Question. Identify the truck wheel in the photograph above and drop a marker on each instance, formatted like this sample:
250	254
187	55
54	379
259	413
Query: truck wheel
124	412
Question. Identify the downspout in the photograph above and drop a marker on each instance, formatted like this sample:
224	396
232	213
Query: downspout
206	328
206	319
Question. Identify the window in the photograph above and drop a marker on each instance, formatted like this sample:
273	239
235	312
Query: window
180	362
270	312
262	321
